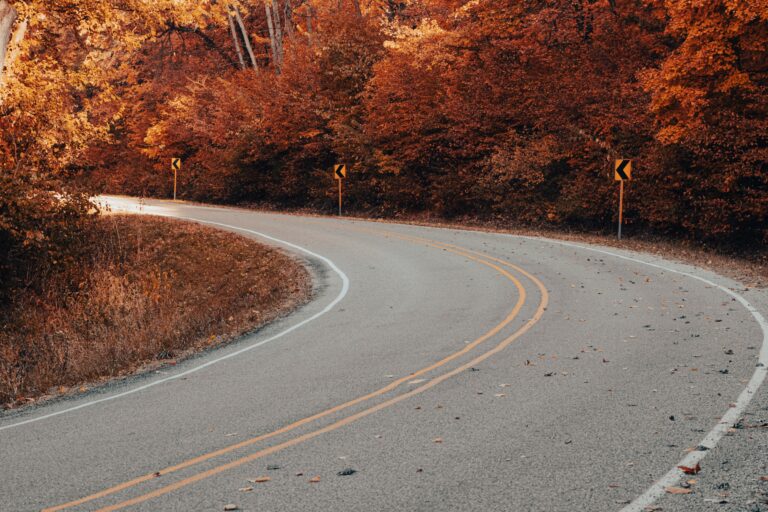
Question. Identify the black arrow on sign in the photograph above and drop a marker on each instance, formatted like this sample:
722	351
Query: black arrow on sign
620	169
176	164
339	173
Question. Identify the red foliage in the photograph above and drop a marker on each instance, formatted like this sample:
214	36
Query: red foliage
506	109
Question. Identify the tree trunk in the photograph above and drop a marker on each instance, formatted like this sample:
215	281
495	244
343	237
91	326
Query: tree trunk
278	31
356	5
272	43
233	31
288	18
246	37
7	19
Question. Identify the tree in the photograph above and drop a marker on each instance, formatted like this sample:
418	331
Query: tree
709	98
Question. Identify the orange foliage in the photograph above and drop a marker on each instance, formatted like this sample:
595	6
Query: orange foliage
504	109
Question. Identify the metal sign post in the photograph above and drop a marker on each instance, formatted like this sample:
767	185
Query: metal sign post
622	171
340	172
621	206
176	167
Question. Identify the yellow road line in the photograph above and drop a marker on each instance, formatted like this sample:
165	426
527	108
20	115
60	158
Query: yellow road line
339	423
292	426
345	421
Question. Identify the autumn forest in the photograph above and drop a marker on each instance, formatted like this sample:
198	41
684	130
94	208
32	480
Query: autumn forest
509	111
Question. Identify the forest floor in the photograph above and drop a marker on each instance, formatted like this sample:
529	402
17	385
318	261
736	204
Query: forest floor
149	292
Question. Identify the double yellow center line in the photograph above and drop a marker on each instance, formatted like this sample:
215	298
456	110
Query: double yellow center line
494	263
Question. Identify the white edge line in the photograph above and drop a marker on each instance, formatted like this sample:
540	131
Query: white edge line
652	494
729	419
329	307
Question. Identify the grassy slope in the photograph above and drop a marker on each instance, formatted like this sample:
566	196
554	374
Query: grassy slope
149	289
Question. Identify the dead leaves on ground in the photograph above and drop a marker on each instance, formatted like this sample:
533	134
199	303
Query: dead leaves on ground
690	470
678	490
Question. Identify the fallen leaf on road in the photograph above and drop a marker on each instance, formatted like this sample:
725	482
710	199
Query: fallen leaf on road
764	478
347	472
677	490
690	470
437	440
245	489
231	506
314	479
299	474
499	395
260	480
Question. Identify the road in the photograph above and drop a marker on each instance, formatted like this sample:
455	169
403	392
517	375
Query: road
451	370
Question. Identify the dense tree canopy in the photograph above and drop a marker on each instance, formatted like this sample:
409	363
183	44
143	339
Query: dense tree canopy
508	109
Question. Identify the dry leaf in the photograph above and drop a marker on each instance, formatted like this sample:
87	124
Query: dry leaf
764	478
314	480
437	440
245	489
690	470
677	490
231	506
260	480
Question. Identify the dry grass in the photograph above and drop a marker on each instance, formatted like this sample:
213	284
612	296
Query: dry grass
150	289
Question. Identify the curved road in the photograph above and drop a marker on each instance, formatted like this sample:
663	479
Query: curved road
451	370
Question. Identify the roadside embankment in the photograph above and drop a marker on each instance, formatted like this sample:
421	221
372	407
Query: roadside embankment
148	291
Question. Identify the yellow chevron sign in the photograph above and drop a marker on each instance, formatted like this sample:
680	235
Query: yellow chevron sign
622	170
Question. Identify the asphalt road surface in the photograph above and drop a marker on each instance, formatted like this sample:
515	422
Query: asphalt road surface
448	370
